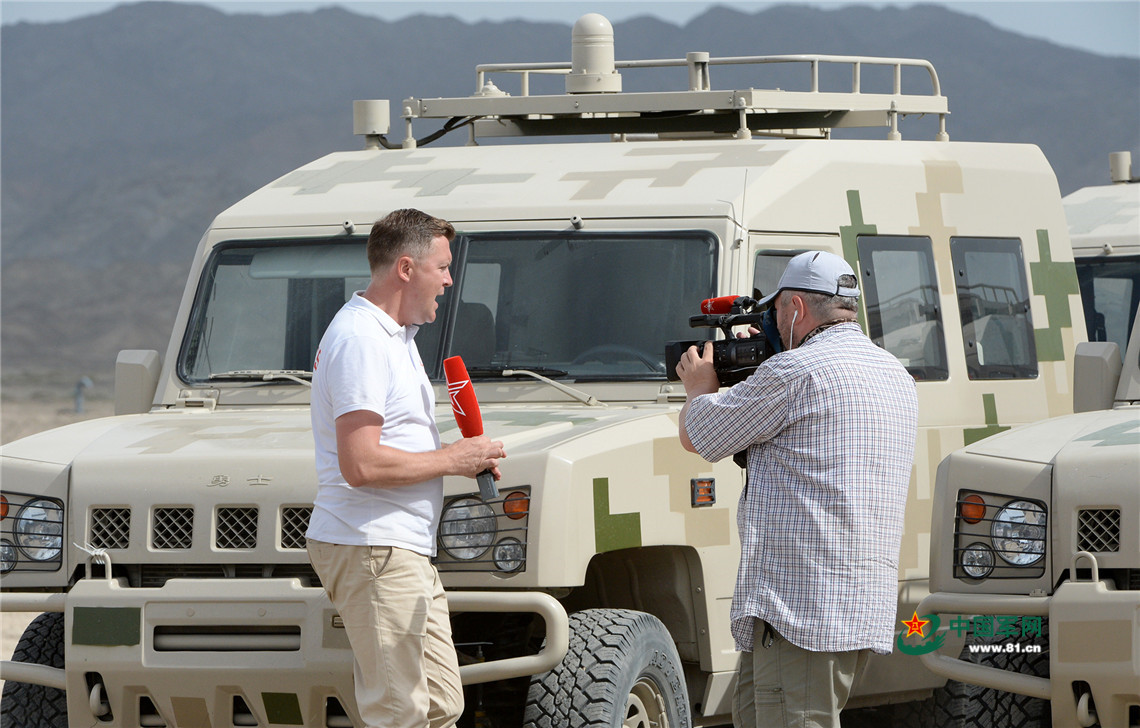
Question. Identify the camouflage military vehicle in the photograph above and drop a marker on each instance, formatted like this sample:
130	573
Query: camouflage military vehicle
1039	526
165	545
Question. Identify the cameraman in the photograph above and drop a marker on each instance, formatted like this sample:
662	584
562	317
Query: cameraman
829	426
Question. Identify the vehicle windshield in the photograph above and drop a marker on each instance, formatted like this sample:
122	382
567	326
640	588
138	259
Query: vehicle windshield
579	306
1110	292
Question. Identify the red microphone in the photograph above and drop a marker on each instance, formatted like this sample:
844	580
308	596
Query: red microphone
719	305
467	415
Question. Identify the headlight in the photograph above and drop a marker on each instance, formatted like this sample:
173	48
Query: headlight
7	556
39	530
510	554
467	528
1019	533
978	560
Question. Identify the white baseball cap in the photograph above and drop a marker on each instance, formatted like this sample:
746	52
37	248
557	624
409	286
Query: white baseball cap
816	271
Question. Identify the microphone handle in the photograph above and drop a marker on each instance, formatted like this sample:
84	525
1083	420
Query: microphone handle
487	488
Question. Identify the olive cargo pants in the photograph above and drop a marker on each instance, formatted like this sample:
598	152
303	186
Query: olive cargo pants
785	685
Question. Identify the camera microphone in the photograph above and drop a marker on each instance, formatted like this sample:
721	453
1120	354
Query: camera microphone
465	406
725	304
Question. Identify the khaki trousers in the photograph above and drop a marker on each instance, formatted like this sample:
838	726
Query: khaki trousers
784	685
395	616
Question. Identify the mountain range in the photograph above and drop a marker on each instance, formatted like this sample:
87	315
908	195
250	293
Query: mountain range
123	134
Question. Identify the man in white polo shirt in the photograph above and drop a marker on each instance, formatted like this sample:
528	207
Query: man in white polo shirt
380	467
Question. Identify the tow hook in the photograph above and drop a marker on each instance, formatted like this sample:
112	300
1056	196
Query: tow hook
1086	711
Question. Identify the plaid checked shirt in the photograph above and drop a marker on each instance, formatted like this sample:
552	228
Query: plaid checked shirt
830	430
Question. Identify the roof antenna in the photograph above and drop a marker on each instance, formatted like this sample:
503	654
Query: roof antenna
592	57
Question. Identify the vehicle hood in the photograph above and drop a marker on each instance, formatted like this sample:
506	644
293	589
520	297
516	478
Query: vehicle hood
202	441
1079	435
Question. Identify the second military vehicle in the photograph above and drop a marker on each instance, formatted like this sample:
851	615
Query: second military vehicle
1035	549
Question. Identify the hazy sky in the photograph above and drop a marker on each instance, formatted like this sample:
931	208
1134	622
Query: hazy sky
1110	27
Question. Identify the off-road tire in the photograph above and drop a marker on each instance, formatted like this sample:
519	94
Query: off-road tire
958	705
36	706
621	671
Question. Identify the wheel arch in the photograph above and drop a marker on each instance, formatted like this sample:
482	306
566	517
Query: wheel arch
665	581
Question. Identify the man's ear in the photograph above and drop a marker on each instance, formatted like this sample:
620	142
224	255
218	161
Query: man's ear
799	305
404	265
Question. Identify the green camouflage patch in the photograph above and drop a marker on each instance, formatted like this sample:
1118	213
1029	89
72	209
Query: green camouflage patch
1123	433
613	531
1055	281
970	435
849	236
106	626
282	709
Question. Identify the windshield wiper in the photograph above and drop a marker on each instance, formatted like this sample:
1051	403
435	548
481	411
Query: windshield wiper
503	371
539	374
300	376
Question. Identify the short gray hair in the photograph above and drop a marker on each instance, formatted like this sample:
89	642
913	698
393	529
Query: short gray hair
822	305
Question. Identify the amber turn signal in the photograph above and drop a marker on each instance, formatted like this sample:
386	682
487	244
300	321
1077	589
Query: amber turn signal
516	505
972	508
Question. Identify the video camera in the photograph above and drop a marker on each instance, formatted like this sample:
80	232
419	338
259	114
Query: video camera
733	359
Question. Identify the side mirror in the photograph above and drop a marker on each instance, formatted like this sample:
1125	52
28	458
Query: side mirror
1096	372
136	380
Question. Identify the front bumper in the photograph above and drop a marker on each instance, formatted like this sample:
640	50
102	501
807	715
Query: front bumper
1094	648
205	652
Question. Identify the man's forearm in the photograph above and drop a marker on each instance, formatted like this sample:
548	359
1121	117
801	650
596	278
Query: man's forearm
388	467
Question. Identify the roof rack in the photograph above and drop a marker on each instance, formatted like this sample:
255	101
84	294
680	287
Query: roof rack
595	104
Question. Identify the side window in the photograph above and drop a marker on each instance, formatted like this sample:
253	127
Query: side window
768	268
901	294
993	300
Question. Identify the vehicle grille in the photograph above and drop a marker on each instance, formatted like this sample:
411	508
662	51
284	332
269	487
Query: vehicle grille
173	528
110	528
237	528
1098	530
294	523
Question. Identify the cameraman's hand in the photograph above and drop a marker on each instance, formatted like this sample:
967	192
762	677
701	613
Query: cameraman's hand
696	371
752	331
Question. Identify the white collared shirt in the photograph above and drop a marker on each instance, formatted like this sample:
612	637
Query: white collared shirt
366	361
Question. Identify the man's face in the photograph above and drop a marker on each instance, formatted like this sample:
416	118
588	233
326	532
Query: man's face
431	276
